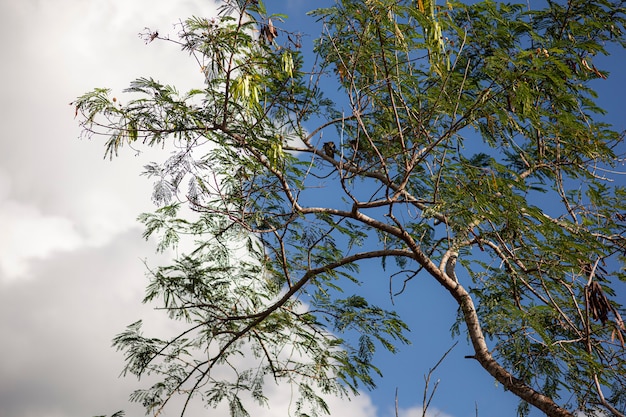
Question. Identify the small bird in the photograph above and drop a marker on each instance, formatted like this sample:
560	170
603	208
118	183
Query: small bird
329	149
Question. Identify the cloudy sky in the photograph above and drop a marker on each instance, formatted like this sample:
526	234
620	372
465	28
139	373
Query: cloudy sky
71	271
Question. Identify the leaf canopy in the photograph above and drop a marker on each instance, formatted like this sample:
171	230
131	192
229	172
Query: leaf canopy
458	132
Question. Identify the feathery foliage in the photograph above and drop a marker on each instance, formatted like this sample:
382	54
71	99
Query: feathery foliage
473	138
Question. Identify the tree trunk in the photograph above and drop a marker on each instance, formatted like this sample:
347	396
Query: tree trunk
486	360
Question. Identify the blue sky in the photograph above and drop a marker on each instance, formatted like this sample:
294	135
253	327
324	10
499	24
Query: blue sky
71	271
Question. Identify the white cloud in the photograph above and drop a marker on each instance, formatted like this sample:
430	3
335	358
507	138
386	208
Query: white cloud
33	231
56	195
418	411
28	233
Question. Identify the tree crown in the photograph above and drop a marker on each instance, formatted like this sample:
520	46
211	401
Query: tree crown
461	134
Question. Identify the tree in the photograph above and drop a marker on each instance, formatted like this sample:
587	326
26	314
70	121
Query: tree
458	134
